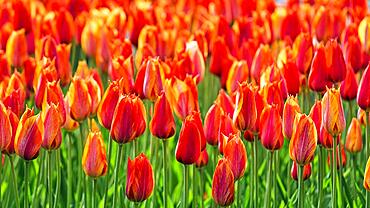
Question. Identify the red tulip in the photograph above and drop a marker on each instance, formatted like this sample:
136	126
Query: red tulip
245	114
140	179
225	102
306	171
291	108
162	124
79	99
94	161
270	119
16	48
235	152
202	160
5	128
212	124
64	66
349	86
14	120
318	78
108	104
363	93
65	26
52	135
262	59
353	52
223	183
15	93
291	76
325	139
304	49
335	61
129	119
316	116
4	65
123	70
238	73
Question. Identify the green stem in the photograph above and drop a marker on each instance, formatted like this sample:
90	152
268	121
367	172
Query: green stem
288	182
320	177
69	171
276	172
15	186
93	193
116	171
300	186
57	191
195	193
186	186
340	169
251	183
269	182
255	180
107	176
164	173
50	191
334	167
201	185
26	183
354	167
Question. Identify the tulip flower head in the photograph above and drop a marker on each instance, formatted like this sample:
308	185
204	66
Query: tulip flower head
363	93
270	127
245	114
235	152
223	183
94	161
5	128
333	118
162	124
291	108
367	176
202	160
354	137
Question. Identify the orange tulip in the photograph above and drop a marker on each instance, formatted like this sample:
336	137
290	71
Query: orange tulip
221	59
182	95
90	37
245	114
28	138
16	48
196	57
14	120
349	86
306	171
262	59
361	116
29	69
238	73
5	128
162	124
354	137
223	183
270	119
189	145
140	179
235	152
52	135
363	93
303	144
226	128
153	79
108	104
94	161
333	118
304	52
367	176
129	119
15	93
70	124
291	108
212	124
123	70
64	66
79	99
225	102
202	160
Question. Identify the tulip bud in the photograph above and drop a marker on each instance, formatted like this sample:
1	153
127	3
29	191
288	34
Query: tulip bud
333	118
271	128
262	59
202	160
316	116
5	128
54	95
94	161
95	93
189	144
16	48
318	78
354	53
238	73
303	144
28	138
291	108
123	70
325	139
349	86
52	135
223	183
108	104
245	114
363	93
235	152
291	76
153	79
79	99
354	137
140	179
70	124
197	60
15	93
64	66
162	124
304	51
212	124
65	26
225	102
306	171
335	61
367	176
14	120
129	119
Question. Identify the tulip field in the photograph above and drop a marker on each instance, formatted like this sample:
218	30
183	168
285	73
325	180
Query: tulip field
184	103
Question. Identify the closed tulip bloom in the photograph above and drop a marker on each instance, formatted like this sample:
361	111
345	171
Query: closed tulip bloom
245	114
291	108
223	183
16	48
64	66
129	119
79	99
212	124
304	52
361	116
306	171
189	144
225	102
54	95
303	144
291	76
227	128
15	93
123	69
238	73
65	26
153	79
140	179
318	77
354	137
70	124
363	93
28	138
202	160
367	176
95	93
4	65
14	120
162	124
235	152
94	160
5	128
270	127
52	136
316	116
354	52
349	86
335	61
333	118
262	59
108	104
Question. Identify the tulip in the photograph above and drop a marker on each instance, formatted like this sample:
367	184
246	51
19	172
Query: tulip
123	70
108	104
5	129
335	61
245	114
162	124
16	48
302	146
94	160
353	53
64	66
28	138
333	117
354	137
225	102
212	124
95	93
291	108
349	86
316	116
202	160
79	99
129	119
363	93
153	79
4	65
70	124
226	128
318	77
270	119
223	183
52	135
14	120
367	176
15	93
238	73
65	26
140	179
306	171
262	59
304	49
291	76
235	152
